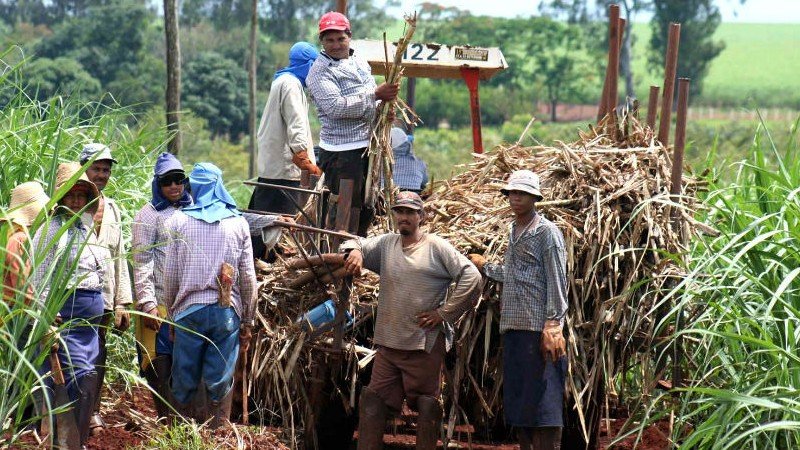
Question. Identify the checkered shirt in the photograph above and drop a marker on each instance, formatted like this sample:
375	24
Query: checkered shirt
149	248
534	279
344	94
409	172
196	252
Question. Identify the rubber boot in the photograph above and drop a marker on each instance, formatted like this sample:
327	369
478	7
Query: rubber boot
429	422
372	413
96	422
161	368
220	410
85	402
546	438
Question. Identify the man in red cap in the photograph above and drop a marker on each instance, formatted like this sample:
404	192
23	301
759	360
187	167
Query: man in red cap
346	97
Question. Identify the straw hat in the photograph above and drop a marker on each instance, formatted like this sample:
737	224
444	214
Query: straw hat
68	170
27	201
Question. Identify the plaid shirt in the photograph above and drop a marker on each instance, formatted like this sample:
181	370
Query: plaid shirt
193	260
409	172
344	94
149	248
77	247
534	278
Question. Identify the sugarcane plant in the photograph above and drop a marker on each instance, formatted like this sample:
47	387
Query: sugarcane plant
381	158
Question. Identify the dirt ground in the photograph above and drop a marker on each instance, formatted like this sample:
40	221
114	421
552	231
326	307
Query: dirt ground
128	414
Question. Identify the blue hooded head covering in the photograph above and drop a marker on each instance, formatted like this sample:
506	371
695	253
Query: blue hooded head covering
167	162
301	56
212	202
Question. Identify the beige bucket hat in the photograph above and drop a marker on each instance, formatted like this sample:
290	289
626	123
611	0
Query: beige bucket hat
525	181
68	170
27	201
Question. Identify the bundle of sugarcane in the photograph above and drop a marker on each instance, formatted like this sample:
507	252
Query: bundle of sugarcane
608	195
611	199
381	157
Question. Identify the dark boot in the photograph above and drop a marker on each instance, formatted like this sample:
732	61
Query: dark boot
220	410
372	414
547	438
96	422
429	422
85	402
161	368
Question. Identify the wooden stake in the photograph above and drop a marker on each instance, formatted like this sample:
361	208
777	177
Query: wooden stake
670	69
680	138
613	59
341	6
652	107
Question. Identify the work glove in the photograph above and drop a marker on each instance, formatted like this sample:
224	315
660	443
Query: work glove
478	260
245	335
300	159
122	319
553	344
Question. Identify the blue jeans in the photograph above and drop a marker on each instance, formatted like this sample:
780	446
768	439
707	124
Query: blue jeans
206	347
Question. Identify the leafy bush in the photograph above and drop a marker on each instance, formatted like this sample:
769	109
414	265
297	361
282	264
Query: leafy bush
215	88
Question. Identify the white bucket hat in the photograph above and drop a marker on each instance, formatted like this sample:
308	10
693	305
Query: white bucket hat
524	181
27	201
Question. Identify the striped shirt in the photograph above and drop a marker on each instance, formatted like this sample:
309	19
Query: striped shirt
344	94
194	257
76	248
534	278
117	288
414	280
149	247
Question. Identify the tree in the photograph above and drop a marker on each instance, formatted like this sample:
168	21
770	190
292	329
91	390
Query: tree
699	20
47	78
214	87
173	92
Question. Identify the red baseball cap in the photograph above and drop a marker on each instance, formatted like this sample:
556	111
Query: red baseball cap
333	21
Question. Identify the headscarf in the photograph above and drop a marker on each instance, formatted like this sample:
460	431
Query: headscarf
167	162
212	202
301	56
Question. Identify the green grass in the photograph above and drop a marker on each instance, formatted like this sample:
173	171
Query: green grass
759	65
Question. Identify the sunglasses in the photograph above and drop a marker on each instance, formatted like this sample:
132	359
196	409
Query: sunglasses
169	180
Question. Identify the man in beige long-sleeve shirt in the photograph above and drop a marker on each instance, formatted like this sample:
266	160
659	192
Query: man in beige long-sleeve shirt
117	285
413	319
285	145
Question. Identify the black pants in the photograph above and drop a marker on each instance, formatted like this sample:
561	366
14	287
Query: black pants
274	201
349	164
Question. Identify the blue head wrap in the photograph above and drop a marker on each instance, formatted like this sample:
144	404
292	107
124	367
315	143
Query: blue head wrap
301	56
212	202
167	162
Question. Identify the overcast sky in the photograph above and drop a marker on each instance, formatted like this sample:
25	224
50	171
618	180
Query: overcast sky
753	11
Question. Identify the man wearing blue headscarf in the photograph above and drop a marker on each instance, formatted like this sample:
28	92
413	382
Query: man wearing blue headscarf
285	146
149	248
210	293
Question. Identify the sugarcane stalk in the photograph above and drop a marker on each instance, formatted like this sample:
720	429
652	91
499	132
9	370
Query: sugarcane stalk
380	149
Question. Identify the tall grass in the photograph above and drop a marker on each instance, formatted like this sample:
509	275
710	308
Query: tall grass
34	138
742	300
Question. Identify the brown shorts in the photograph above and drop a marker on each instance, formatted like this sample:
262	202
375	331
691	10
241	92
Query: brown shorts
399	374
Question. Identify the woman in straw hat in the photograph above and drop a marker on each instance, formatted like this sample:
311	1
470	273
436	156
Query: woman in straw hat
28	200
74	264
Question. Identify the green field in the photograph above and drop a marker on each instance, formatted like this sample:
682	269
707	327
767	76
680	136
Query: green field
760	63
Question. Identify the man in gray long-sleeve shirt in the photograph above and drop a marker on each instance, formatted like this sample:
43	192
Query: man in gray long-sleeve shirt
532	319
346	97
414	314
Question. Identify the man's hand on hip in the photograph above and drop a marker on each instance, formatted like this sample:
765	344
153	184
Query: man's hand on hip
429	320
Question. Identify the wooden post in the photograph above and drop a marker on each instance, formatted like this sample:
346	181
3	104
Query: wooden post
675	191
173	93
613	35
411	98
341	6
472	78
252	87
652	107
670	68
